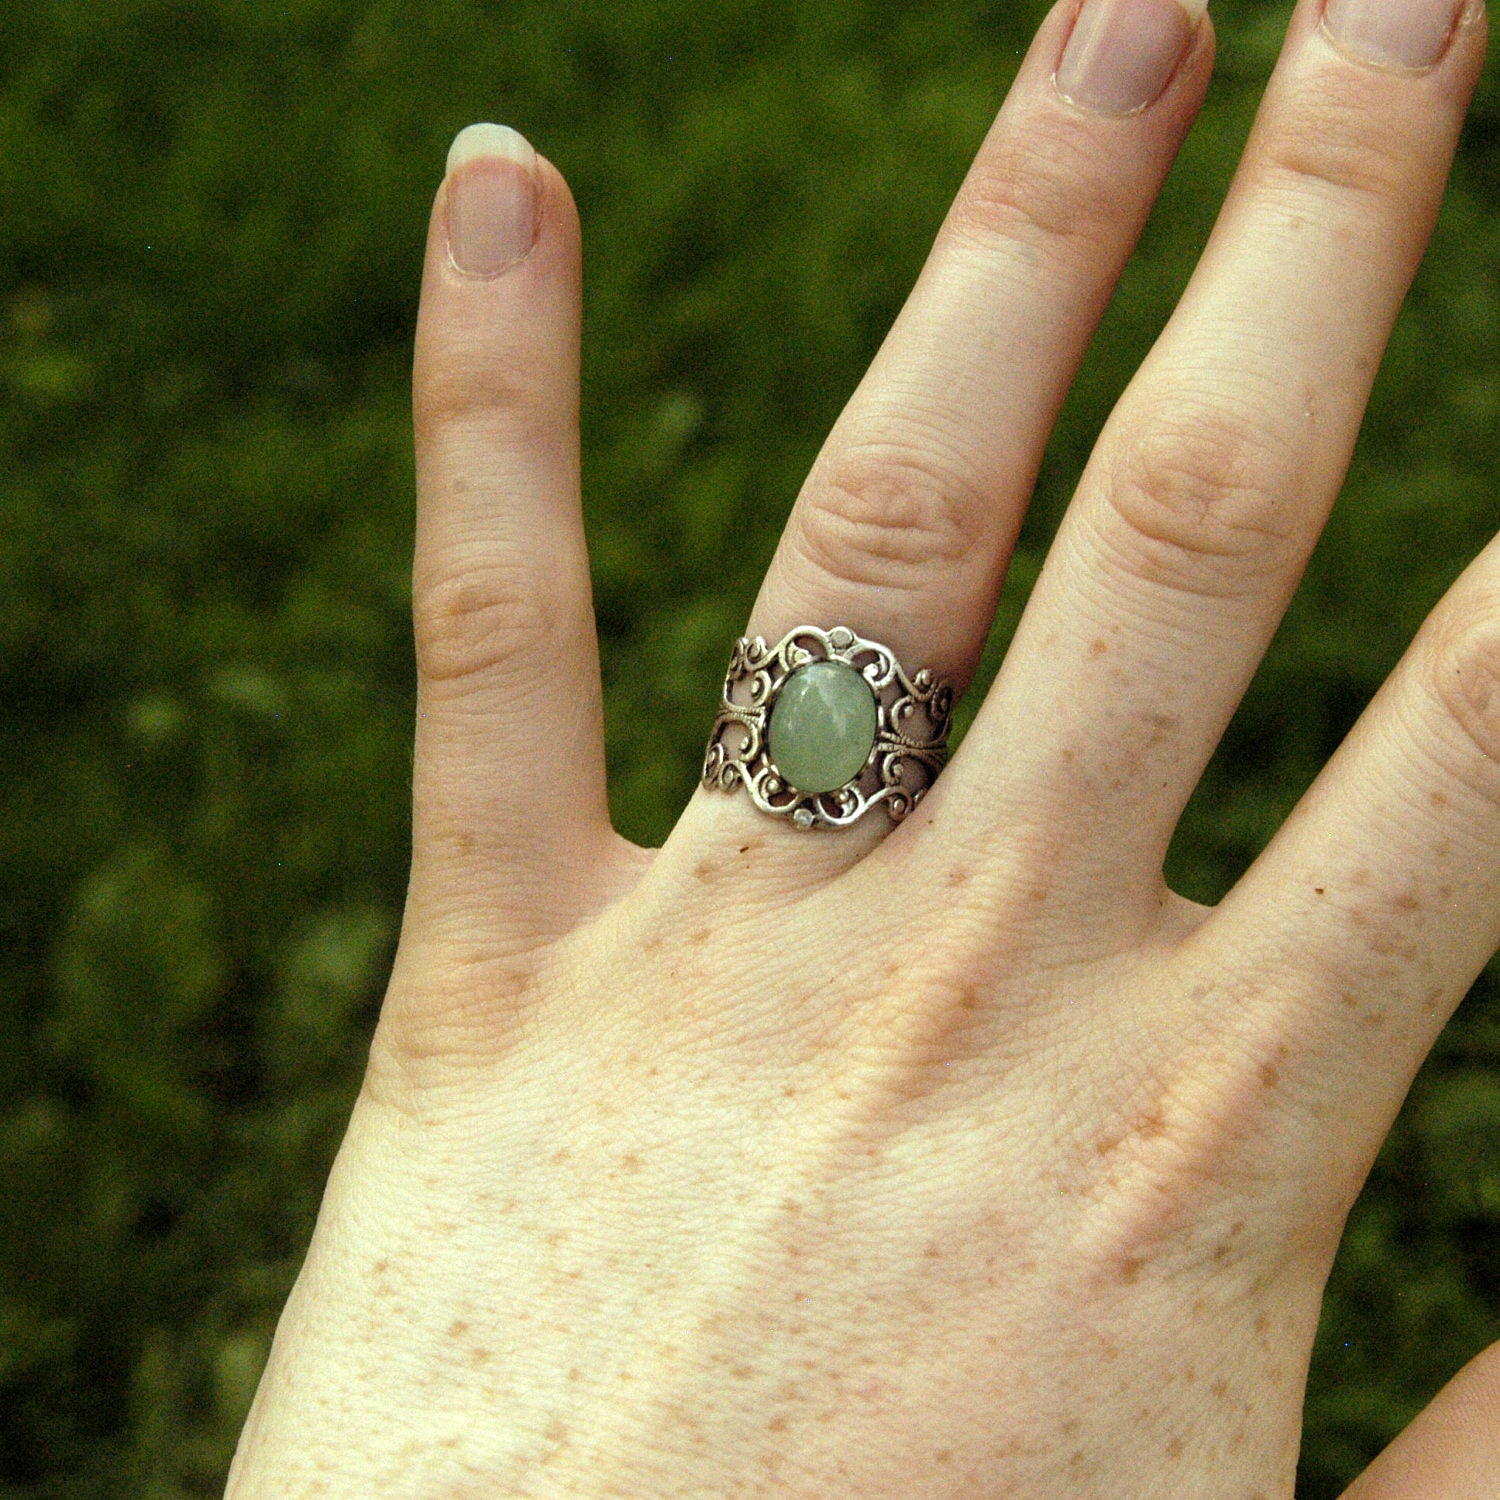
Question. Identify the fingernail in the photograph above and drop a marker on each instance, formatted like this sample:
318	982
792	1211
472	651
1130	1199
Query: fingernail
492	199
1123	53
1410	35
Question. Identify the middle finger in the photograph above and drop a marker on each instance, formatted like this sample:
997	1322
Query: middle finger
1198	509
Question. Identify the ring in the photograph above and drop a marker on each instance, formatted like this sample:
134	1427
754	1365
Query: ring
825	725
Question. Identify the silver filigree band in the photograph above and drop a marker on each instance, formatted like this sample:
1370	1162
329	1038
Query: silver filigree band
913	716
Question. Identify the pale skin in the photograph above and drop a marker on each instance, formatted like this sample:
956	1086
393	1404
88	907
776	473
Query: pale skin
962	1159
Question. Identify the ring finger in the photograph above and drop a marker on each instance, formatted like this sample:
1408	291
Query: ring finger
906	523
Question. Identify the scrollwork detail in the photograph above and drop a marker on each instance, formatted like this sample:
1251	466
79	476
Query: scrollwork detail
914	716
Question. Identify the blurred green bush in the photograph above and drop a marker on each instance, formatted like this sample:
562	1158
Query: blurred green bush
209	257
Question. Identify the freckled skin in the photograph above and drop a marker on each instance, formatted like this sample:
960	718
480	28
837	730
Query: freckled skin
763	1165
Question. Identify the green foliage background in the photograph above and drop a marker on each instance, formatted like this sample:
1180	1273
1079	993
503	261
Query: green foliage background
211	220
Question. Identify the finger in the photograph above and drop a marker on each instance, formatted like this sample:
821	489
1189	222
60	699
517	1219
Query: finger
509	772
907	520
1213	478
909	515
1354	935
1452	1450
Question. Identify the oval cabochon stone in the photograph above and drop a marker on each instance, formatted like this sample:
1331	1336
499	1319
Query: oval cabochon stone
823	726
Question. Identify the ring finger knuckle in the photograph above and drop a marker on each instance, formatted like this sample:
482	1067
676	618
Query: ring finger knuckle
1338	147
892	514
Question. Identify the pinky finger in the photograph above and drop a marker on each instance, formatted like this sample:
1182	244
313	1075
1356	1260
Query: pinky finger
510	815
1452	1450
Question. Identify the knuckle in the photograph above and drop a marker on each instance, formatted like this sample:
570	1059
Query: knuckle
891	515
1464	663
1337	146
470	624
1182	1152
470	1011
1196	505
1043	193
454	392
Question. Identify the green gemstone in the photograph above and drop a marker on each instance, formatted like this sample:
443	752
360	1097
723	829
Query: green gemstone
822	726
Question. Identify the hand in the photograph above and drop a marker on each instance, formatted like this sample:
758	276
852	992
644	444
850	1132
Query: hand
962	1159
